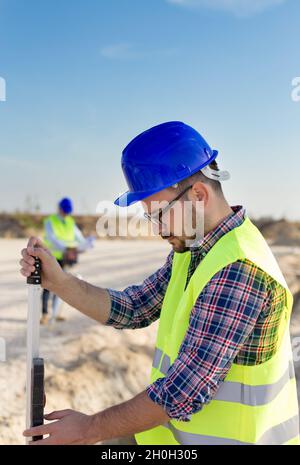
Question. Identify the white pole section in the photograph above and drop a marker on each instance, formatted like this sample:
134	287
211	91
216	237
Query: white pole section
35	366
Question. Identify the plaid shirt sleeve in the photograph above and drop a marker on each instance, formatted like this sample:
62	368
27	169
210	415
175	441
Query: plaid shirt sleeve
223	317
139	306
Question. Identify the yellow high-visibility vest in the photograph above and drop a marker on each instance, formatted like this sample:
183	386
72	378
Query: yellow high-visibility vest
254	404
64	231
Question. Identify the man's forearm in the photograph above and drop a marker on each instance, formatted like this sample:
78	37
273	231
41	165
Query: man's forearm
130	417
90	300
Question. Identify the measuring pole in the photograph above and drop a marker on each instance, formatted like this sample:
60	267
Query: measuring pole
35	364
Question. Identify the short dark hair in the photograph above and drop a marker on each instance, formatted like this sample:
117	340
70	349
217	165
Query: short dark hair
199	176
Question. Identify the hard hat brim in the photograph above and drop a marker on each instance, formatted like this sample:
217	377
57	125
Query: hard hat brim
129	198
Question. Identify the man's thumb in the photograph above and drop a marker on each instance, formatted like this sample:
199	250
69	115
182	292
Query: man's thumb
38	252
57	415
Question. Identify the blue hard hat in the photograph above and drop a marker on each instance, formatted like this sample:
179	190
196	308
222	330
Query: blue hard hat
66	205
160	157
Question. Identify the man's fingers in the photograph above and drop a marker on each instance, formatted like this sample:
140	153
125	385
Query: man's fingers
34	251
36	248
28	258
57	415
34	242
39	430
38	252
24	273
26	266
42	442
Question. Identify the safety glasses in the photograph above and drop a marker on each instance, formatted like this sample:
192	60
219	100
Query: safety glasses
156	217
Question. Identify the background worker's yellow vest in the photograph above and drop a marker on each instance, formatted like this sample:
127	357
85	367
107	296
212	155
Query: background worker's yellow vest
64	231
255	404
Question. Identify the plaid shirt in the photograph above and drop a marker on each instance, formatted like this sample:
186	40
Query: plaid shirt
235	319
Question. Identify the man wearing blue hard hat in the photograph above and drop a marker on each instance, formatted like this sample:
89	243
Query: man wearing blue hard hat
222	370
64	239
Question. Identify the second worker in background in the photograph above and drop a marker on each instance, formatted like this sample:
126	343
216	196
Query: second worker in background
63	237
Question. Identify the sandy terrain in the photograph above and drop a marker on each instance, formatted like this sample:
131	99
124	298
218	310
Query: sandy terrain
88	366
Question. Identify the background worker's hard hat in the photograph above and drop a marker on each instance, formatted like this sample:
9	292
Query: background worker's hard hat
66	205
162	156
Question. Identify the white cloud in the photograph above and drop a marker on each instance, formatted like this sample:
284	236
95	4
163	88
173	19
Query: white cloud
128	51
236	7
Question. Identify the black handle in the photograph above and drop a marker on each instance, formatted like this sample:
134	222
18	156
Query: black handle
37	394
35	277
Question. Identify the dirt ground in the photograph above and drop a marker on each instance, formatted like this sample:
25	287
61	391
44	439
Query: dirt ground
88	366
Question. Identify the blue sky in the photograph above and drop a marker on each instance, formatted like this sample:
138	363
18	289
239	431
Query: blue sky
84	77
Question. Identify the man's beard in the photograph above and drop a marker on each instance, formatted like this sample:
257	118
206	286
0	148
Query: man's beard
182	244
178	244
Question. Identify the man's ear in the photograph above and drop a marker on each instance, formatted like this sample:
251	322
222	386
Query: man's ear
199	191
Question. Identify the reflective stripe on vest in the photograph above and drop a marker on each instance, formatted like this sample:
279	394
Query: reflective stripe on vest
165	364
278	434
